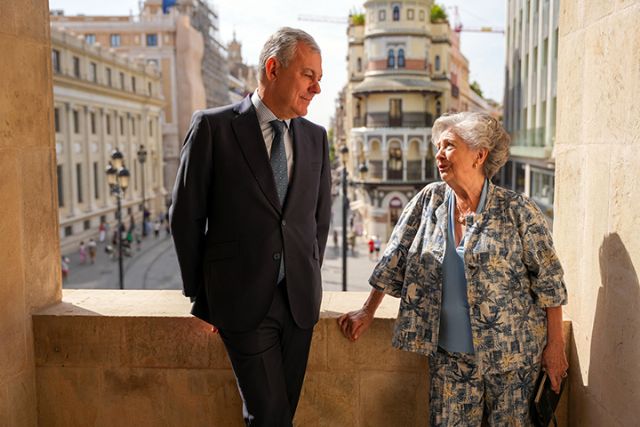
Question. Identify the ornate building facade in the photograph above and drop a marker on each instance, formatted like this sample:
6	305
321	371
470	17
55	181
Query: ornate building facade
399	83
103	101
182	41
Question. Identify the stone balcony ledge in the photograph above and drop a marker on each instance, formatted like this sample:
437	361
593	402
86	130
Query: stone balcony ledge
106	357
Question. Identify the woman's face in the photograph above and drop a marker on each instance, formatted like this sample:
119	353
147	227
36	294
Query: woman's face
455	159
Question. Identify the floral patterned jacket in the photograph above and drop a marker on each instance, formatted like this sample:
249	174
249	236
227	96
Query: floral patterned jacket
511	268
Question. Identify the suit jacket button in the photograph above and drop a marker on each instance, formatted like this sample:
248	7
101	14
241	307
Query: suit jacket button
276	256
284	222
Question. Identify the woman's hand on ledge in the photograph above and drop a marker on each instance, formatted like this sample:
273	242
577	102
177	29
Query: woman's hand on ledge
354	323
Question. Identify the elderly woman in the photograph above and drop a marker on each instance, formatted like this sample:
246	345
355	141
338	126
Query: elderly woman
479	283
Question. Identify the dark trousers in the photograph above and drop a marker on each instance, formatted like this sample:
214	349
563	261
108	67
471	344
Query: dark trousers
269	364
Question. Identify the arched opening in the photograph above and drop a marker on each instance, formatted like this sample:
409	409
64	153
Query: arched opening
396	13
394	164
414	162
401	62
375	160
395	210
391	59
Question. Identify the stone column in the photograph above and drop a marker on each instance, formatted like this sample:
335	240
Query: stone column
597	204
29	253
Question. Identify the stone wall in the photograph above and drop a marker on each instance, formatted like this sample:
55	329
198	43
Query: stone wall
107	356
29	254
597	208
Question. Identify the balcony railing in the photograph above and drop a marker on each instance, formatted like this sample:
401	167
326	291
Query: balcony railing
407	120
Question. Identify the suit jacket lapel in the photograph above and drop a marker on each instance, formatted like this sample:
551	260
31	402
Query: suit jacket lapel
249	136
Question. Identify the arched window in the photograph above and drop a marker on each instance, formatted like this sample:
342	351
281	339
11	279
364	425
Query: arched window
394	164
359	62
400	58
438	109
391	59
396	13
437	62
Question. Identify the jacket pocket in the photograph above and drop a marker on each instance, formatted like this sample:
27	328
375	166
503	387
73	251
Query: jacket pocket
221	250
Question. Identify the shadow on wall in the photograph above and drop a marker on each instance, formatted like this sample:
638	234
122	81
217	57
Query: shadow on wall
611	397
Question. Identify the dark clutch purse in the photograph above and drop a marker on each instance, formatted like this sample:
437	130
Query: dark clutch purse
545	401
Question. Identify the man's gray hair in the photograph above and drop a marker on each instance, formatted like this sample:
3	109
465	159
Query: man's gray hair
477	130
282	45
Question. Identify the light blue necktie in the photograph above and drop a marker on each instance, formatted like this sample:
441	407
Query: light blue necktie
279	167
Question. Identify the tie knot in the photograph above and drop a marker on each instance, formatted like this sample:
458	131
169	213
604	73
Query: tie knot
278	126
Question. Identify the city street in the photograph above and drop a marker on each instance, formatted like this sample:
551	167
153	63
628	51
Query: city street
155	266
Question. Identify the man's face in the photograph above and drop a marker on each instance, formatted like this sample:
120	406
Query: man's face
290	90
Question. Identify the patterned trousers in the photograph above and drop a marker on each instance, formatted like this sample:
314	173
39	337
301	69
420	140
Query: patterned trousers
463	395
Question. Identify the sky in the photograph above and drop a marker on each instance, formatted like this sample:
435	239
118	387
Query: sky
254	20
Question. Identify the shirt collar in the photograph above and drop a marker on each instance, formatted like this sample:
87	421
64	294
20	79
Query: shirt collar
265	115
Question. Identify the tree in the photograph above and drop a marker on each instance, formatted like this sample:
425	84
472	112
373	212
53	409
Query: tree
475	86
438	13
357	19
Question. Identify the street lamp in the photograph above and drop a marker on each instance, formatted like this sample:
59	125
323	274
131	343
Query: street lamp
118	179
142	158
344	154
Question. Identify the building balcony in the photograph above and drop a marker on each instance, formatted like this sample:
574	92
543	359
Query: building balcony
108	358
385	120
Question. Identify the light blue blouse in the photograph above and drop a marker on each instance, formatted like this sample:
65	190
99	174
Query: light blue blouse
455	323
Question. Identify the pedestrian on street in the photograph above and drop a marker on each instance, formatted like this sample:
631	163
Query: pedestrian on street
264	297
82	251
102	232
93	249
376	245
65	267
156	228
335	238
371	245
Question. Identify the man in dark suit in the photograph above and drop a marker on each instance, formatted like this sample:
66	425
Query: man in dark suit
250	217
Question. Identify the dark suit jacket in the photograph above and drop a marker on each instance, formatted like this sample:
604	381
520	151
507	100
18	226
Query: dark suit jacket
229	228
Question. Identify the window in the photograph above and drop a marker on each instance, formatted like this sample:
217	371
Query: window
60	187
79	181
396	13
394	164
133	126
410	14
76	121
437	62
382	15
401	62
152	40
108	117
68	231
545	52
150	127
109	80
55	60
86	224
121	80
149	87
391	59
115	40
121	125
359	65
438	109
76	67
421	15
96	180
395	112
93	72
56	119
133	84
90	38
92	118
